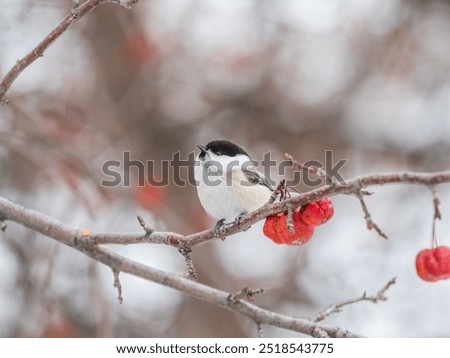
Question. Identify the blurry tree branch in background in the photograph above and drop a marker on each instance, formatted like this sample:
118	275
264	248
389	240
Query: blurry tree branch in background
88	243
78	11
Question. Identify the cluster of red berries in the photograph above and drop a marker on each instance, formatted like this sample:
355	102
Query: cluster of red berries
304	220
433	264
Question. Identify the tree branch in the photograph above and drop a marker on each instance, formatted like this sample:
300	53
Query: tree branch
77	12
337	307
89	245
369	222
351	187
76	239
84	241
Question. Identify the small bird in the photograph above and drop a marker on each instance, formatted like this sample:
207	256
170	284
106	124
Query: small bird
228	184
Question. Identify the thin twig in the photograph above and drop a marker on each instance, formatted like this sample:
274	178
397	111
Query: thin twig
259	330
186	252
117	284
369	222
279	190
148	230
337	307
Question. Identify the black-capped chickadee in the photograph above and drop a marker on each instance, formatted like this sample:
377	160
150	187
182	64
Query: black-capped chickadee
228	184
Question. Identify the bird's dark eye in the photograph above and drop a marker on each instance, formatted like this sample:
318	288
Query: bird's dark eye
219	153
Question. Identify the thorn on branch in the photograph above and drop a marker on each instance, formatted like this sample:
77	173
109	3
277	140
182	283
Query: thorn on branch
369	222
245	293
337	307
117	284
186	252
148	230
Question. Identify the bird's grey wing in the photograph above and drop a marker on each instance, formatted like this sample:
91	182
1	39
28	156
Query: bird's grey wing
256	177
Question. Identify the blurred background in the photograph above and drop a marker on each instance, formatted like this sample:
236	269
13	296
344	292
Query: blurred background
369	80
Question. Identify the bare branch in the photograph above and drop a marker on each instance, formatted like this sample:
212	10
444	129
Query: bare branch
335	308
72	237
349	187
89	245
186	252
259	330
369	222
147	229
76	13
117	285
200	238
279	190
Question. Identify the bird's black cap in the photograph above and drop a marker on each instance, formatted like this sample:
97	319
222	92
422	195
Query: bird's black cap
225	147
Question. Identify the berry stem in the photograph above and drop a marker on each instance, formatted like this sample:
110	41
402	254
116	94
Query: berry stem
436	216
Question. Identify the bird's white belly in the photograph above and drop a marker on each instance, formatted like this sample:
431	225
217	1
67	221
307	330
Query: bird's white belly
219	200
227	199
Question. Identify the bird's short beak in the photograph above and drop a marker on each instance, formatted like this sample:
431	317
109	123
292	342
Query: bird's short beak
201	147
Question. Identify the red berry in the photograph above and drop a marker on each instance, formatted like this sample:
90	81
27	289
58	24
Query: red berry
270	227
302	231
318	212
433	264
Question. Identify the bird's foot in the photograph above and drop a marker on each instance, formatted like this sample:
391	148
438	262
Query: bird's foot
238	219
219	229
